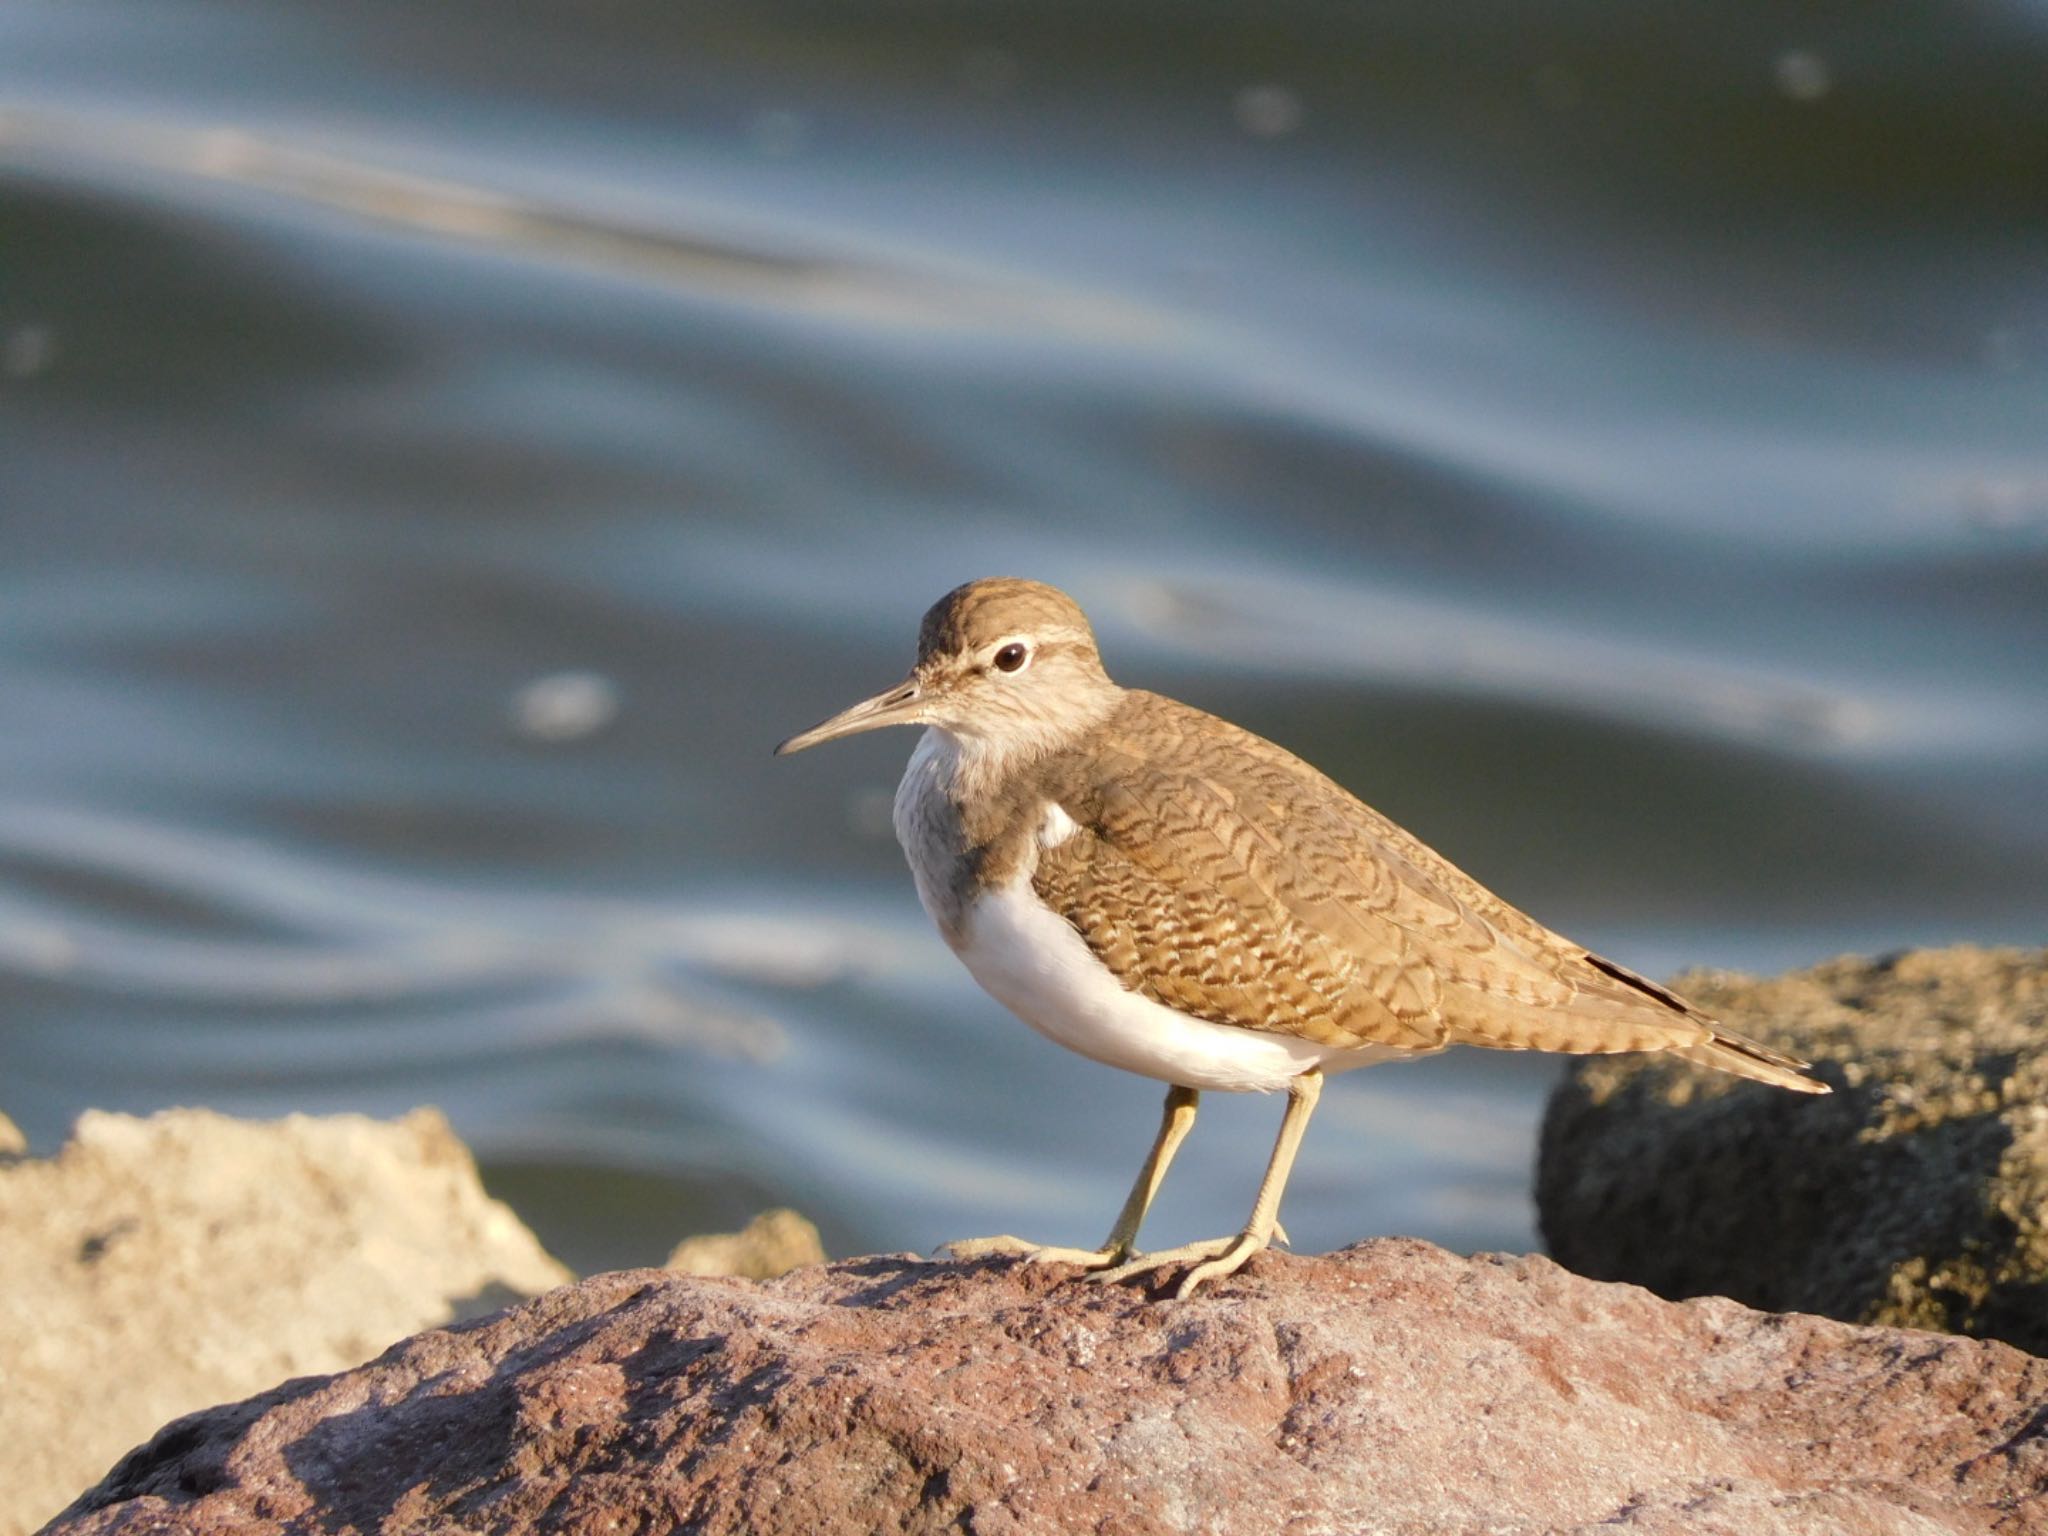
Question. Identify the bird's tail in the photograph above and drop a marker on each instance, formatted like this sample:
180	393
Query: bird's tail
1745	1058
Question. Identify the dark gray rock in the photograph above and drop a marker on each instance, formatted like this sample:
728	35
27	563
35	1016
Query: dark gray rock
1917	1195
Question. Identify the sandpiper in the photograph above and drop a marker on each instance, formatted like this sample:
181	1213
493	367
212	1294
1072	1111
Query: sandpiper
1165	892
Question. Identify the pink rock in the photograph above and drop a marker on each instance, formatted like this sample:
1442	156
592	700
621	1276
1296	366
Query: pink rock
1391	1388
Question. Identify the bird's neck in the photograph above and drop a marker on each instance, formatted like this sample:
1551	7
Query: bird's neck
993	766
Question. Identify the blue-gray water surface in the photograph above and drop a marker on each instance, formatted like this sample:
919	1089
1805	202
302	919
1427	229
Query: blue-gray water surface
442	448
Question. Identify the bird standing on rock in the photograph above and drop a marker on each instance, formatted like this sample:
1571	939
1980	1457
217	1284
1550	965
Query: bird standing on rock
1165	892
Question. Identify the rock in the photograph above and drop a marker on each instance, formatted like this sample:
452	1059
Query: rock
12	1142
773	1243
1392	1388
157	1265
1916	1195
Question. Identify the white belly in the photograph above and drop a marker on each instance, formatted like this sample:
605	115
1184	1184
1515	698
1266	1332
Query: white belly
1030	959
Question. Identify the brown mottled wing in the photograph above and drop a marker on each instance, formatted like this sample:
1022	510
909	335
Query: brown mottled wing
1224	877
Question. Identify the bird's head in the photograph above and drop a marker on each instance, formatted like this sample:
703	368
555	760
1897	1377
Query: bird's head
1007	667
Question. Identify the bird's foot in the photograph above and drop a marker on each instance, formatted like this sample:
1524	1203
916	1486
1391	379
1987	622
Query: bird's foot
1007	1247
1212	1260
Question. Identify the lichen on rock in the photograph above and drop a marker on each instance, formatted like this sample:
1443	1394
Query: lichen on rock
1916	1195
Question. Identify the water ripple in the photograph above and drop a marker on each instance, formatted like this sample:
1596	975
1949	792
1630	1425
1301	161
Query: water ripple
835	288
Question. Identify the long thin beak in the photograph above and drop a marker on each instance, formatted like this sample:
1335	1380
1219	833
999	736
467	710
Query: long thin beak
891	708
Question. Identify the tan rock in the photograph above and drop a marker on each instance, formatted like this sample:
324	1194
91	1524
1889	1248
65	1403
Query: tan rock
157	1265
773	1243
12	1142
1917	1194
1393	1388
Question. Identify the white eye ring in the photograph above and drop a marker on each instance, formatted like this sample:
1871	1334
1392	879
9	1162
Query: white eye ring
1012	657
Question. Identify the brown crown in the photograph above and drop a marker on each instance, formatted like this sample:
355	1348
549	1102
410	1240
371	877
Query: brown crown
984	611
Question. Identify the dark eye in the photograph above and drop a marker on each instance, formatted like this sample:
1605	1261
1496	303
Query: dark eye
1012	656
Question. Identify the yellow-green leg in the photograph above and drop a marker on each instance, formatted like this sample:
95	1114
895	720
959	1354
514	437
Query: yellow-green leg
1221	1256
1177	1119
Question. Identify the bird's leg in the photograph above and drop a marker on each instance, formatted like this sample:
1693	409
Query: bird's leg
1175	1121
1221	1256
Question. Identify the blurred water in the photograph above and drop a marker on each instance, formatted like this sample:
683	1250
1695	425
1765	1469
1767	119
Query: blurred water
443	448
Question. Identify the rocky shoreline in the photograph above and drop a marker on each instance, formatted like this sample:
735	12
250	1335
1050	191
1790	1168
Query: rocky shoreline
1391	1387
157	1266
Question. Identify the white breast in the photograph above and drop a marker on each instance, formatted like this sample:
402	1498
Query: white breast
928	830
1031	960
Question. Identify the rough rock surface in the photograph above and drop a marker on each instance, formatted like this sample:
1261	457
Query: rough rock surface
156	1265
1916	1195
773	1243
1391	1388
